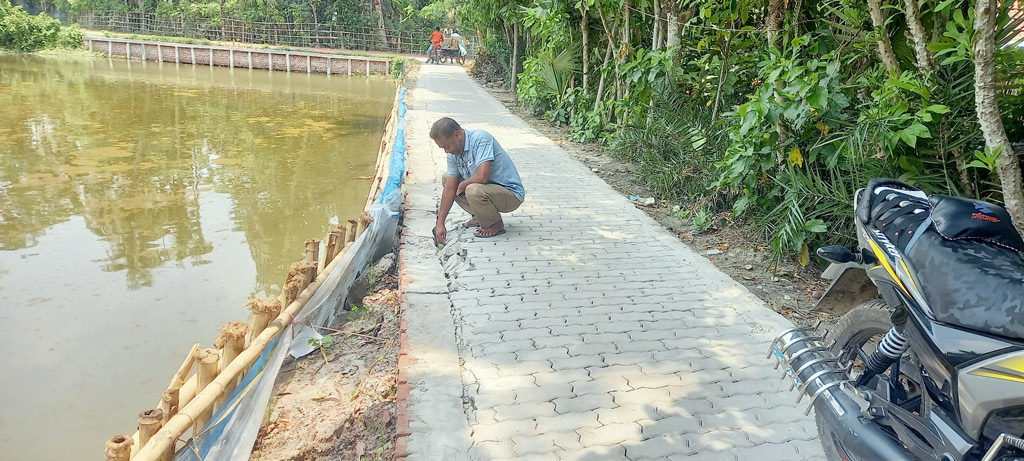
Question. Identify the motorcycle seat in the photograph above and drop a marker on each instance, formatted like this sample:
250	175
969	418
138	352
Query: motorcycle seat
964	255
970	283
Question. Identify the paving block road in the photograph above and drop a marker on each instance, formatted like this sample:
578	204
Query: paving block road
587	331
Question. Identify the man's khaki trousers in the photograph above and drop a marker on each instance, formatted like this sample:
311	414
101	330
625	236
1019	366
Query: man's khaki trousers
486	202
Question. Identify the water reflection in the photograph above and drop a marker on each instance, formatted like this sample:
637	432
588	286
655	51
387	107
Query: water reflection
129	145
140	204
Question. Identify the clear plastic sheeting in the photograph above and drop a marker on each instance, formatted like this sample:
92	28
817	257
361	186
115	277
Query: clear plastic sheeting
233	428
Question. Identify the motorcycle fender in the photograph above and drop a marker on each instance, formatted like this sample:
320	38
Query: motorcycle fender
850	286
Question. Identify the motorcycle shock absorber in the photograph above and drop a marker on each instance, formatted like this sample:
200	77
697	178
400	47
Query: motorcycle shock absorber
890	349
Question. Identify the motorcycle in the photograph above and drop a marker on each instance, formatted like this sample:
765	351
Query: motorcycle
934	369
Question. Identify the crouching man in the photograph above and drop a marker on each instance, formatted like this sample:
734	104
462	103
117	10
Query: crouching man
481	179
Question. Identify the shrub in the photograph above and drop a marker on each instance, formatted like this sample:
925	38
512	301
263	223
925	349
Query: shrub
23	32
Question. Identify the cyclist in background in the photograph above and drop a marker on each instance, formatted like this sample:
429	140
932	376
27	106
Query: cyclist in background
435	40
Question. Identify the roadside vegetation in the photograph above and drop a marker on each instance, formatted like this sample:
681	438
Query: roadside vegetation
773	112
23	32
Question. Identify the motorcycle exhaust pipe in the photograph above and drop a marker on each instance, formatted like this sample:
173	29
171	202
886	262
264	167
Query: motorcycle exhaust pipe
816	372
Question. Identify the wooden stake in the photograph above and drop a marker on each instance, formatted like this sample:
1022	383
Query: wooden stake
234	334
262	311
364	221
169	403
313	254
332	245
119	448
234	341
150	421
289	293
350	231
208	359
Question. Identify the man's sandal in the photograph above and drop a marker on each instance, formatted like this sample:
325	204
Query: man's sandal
478	234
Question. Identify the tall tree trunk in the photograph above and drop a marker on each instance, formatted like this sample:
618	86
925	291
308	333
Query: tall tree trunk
917	33
773	22
672	29
515	59
380	25
884	45
723	74
585	31
600	84
989	117
656	35
627	37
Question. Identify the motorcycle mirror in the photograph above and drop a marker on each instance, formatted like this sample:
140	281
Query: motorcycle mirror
839	254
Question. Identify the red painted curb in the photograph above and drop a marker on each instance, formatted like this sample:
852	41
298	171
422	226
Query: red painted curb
403	391
401	448
402	426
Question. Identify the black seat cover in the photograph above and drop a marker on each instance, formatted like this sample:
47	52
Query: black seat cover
969	283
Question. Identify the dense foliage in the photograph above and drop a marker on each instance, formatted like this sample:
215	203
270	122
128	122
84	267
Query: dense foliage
20	31
774	111
396	15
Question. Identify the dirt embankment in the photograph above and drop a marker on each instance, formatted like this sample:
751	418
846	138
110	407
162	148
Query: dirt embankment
738	250
339	401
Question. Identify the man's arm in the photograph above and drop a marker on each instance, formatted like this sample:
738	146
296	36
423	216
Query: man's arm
447	199
483	174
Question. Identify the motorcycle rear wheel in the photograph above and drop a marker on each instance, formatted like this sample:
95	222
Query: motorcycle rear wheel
864	324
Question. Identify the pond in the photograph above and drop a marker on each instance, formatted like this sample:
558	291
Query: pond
141	205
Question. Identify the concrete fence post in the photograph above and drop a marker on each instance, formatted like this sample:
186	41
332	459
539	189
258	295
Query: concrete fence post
270	61
143	51
349	67
231	58
211	56
328	65
367	67
127	50
308	61
110	48
159	53
288	61
250	60
192	54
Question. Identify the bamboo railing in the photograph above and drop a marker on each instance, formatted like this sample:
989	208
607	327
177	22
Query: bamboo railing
192	396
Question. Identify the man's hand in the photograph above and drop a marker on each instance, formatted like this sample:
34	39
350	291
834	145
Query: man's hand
440	234
462	189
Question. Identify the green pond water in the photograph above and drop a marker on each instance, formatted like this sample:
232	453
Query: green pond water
141	205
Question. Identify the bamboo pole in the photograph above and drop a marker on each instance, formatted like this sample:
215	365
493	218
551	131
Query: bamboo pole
313	253
234	341
364	221
350	231
332	243
169	400
262	311
149	422
233	334
119	448
208	359
168	435
305	271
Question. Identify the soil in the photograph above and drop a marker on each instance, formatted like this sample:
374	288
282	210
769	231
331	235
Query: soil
735	248
339	401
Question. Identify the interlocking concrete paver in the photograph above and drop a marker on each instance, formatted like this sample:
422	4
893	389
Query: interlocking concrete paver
587	331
